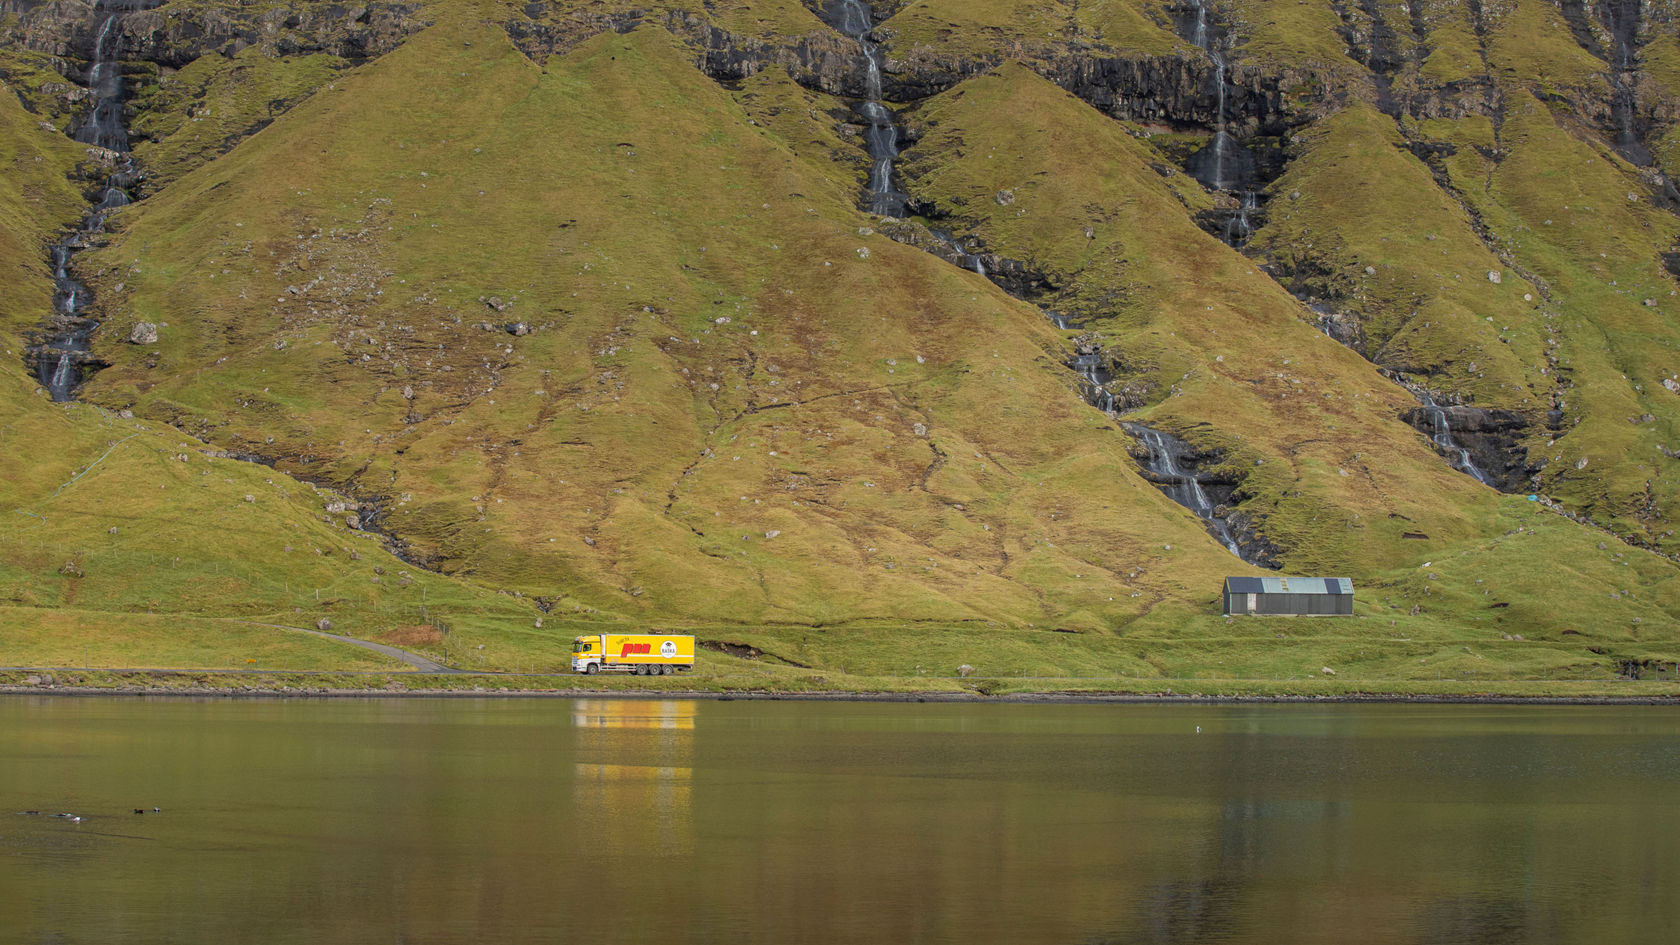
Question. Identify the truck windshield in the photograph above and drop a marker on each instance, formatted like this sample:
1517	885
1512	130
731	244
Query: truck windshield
580	647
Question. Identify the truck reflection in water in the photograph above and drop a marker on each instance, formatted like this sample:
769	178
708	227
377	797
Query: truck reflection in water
636	794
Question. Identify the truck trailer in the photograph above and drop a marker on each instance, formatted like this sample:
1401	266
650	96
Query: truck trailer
644	654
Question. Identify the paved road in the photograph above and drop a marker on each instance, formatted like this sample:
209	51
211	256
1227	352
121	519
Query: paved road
415	660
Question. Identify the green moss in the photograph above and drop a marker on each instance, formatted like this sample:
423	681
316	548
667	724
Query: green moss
195	114
1288	34
736	408
1359	222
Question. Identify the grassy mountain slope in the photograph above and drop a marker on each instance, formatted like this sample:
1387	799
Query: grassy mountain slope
605	341
696	294
1234	365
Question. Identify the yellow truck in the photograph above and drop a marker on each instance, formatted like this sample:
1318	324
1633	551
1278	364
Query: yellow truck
644	654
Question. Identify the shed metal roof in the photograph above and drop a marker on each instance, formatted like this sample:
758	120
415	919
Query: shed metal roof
1288	585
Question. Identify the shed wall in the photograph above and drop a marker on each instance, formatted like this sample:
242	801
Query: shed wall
1290	605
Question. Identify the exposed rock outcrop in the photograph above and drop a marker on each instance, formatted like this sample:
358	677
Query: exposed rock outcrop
173	37
1492	437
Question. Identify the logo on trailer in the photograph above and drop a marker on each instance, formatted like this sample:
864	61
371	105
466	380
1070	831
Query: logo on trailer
635	649
668	649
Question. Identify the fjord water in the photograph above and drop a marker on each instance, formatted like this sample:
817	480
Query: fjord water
457	820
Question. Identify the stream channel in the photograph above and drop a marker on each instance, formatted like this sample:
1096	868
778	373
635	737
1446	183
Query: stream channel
60	354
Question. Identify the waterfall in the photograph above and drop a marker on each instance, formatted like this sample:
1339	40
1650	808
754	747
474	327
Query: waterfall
1093	376
1220	139
856	20
1222	164
1623	19
1442	436
60	355
1241	227
1165	462
60	379
1205	40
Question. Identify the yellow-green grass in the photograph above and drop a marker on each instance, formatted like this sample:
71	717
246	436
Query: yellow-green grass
1453	51
197	113
1571	212
671	213
38	201
1288	34
1128	26
30	78
1530	43
876	461
90	639
1356	199
118	518
760	19
953	30
1311	428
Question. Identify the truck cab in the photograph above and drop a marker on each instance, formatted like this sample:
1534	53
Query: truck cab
586	655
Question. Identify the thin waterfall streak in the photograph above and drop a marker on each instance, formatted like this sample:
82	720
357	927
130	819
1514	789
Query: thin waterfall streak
856	22
1182	486
1446	443
62	352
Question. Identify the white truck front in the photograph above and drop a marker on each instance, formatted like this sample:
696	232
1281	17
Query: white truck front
587	653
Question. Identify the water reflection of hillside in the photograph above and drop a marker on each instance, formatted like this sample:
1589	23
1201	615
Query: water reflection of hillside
611	822
635	794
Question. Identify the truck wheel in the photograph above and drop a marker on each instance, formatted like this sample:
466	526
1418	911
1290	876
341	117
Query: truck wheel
591	669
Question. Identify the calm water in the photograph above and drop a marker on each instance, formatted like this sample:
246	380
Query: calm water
625	821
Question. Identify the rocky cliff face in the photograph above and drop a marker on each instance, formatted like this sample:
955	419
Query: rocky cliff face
1494	439
173	37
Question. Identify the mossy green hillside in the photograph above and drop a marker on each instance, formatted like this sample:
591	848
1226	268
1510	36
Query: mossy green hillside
1292	35
734	402
950	30
131	543
32	80
109	519
1309	428
1570	211
192	115
1529	44
1358	222
40	198
609	345
97	639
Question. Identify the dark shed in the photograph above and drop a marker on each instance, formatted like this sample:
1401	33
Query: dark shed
1289	596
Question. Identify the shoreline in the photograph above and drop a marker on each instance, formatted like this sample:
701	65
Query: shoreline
861	696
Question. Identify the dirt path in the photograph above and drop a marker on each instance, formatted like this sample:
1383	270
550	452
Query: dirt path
420	663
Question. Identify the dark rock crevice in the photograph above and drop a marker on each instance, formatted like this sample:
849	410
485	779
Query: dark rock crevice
59	349
1199	480
1490	439
1624	19
173	36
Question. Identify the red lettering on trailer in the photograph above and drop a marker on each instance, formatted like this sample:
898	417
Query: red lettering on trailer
635	649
